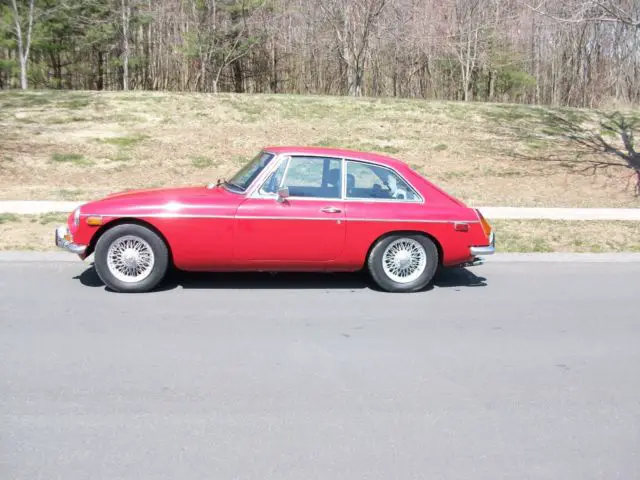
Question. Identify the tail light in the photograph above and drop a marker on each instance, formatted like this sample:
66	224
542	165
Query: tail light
486	226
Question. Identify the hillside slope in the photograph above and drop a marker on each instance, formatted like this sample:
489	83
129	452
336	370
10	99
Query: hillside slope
78	145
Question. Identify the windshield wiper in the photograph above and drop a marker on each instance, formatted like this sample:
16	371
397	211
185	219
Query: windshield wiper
225	182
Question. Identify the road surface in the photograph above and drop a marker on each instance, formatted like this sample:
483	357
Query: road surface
531	371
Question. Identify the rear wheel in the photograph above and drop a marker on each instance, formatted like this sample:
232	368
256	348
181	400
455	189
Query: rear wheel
131	258
403	262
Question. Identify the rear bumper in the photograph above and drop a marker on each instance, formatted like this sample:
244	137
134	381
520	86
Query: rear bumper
63	241
486	250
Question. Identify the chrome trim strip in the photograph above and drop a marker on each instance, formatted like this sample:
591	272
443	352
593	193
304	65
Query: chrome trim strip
162	215
404	220
287	160
271	196
270	217
321	219
343	179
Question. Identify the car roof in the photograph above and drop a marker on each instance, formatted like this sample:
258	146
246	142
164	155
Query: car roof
338	152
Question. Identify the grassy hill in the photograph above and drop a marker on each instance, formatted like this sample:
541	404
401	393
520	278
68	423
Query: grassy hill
79	145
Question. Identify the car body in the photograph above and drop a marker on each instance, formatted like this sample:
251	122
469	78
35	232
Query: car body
288	209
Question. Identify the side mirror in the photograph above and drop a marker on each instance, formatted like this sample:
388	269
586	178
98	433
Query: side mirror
283	194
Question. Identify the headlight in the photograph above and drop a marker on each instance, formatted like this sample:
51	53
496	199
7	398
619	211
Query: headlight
76	217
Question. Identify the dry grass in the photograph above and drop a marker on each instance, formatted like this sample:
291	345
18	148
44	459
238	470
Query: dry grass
35	232
566	236
29	232
91	143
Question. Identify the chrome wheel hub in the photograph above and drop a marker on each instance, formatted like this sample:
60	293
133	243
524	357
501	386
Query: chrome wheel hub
130	259
404	260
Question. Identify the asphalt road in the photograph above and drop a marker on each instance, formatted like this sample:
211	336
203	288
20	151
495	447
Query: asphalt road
531	372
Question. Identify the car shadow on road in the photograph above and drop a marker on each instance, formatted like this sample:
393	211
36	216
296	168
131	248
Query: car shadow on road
445	278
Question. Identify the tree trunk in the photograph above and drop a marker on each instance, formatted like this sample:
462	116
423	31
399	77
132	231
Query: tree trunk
492	85
238	76
23	49
100	85
126	11
274	67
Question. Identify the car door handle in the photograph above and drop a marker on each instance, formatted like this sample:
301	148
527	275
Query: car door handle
331	210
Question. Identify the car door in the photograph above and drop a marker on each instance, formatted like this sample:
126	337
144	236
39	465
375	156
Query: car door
307	227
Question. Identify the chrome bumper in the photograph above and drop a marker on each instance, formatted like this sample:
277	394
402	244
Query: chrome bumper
488	250
62	241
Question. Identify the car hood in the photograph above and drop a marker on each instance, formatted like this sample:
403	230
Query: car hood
159	193
162	201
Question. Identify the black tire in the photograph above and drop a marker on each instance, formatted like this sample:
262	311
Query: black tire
160	254
380	277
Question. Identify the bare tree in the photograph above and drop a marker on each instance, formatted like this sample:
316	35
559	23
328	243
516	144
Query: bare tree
468	30
24	39
583	53
352	22
467	37
611	144
626	12
126	19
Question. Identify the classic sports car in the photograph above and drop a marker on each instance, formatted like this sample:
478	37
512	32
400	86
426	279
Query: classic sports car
288	209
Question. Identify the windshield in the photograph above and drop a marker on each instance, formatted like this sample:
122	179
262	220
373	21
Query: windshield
247	174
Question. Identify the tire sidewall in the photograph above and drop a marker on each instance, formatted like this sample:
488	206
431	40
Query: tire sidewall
160	252
383	281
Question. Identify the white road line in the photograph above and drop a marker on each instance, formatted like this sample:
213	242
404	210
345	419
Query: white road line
33	207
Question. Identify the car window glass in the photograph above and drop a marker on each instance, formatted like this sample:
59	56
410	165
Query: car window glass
249	172
314	177
368	181
274	181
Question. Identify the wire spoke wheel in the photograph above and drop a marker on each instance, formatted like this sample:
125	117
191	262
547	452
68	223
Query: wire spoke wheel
130	259
404	260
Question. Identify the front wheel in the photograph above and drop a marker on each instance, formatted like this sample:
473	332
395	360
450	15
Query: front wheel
403	262
131	258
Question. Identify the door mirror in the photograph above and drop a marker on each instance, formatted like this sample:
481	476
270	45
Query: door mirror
283	194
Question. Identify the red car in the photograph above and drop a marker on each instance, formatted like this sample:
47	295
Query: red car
288	209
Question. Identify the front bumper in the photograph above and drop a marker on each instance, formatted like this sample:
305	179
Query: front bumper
488	250
64	241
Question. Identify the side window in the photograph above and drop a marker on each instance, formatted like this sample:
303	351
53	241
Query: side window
368	181
314	177
272	184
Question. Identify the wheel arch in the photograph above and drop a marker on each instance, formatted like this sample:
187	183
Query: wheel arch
127	221
407	232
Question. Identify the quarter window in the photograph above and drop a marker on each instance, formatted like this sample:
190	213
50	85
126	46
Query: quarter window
368	181
273	183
